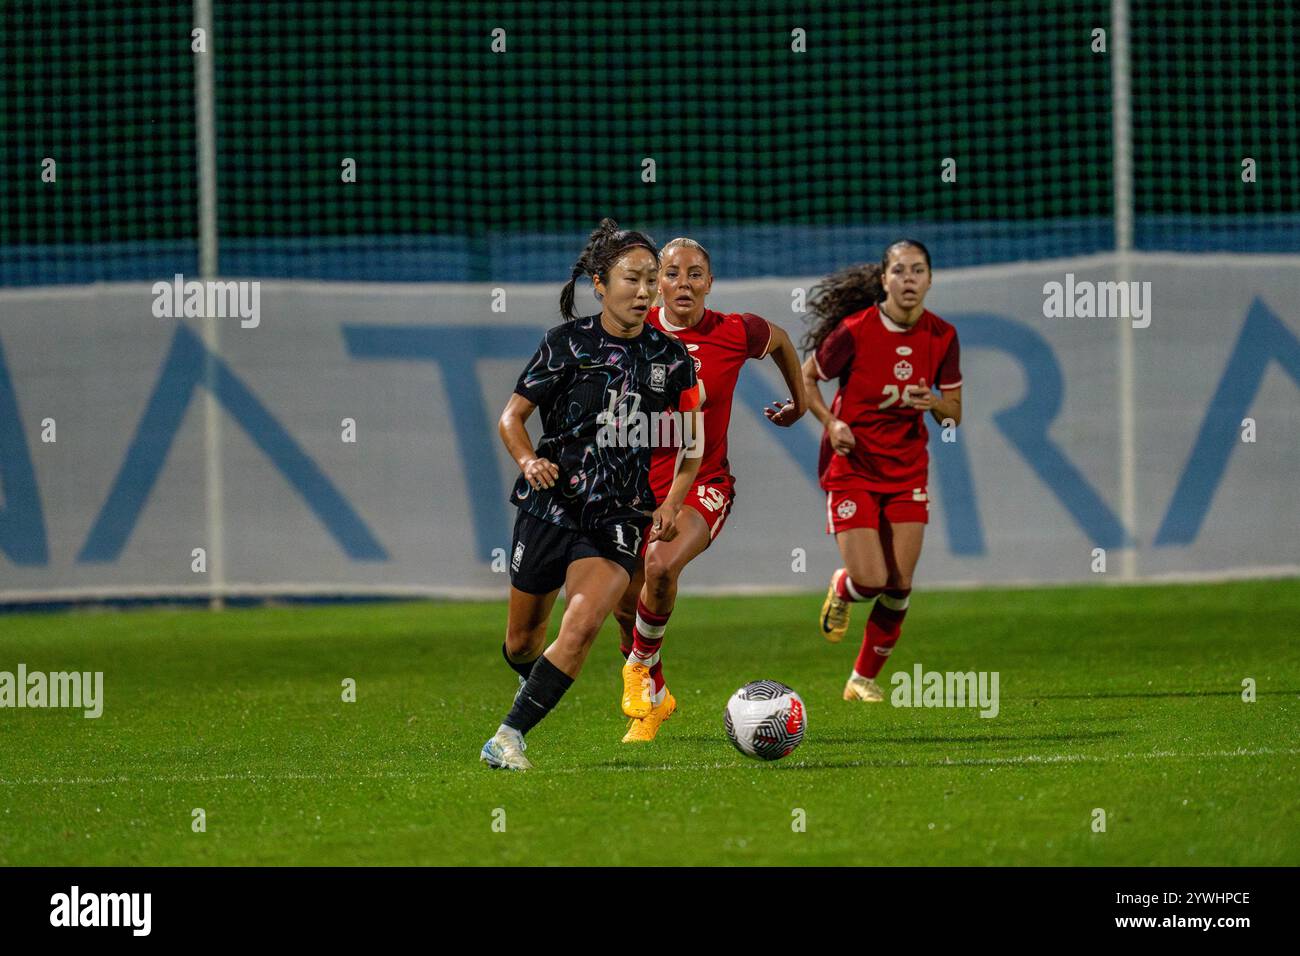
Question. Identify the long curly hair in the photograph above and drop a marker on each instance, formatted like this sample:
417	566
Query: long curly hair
605	246
850	290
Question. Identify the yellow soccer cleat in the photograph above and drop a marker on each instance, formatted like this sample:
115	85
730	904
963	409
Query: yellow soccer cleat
638	687
864	689
644	729
835	612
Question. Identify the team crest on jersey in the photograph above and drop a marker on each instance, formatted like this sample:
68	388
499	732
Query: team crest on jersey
903	370
846	509
658	375
904	350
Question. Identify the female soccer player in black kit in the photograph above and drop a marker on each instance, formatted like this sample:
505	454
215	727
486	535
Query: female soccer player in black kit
586	511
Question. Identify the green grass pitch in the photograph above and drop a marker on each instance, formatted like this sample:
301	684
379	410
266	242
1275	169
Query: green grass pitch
1127	699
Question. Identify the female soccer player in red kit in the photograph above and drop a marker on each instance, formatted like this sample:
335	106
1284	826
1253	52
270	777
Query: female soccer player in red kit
719	344
873	333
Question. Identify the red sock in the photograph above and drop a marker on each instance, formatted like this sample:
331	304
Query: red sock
624	646
657	675
883	630
847	590
647	634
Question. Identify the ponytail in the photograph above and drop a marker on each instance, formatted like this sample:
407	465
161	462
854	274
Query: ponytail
837	297
605	246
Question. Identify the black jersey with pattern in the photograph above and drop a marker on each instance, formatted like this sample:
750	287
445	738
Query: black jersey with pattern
578	374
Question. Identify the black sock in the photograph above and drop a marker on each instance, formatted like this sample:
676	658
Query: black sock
538	697
522	669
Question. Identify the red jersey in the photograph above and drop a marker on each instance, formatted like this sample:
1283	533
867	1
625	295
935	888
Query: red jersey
720	344
876	360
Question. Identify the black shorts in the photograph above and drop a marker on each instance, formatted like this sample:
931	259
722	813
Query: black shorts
542	552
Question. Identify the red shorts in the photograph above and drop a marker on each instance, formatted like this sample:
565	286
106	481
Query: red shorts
711	499
713	503
862	509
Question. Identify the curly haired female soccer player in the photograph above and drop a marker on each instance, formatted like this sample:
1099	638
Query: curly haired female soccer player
719	343
584	493
873	333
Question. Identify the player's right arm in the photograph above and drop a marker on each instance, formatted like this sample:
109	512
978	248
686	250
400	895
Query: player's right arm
538	472
690	405
839	433
833	358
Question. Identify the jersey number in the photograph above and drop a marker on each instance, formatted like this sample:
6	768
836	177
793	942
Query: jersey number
711	498
894	396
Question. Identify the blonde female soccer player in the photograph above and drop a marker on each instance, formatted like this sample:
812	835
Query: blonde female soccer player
719	344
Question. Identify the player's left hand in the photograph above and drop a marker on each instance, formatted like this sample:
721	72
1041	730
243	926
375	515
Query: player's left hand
919	396
663	526
784	413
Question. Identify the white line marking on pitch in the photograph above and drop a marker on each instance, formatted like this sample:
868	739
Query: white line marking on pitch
411	774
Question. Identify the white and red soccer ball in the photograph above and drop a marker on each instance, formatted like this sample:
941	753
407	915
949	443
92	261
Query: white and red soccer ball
765	719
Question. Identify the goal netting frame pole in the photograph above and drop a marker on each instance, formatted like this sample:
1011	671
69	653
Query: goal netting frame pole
205	129
1122	178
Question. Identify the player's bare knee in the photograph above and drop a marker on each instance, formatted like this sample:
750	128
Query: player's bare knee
525	643
864	577
660	575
